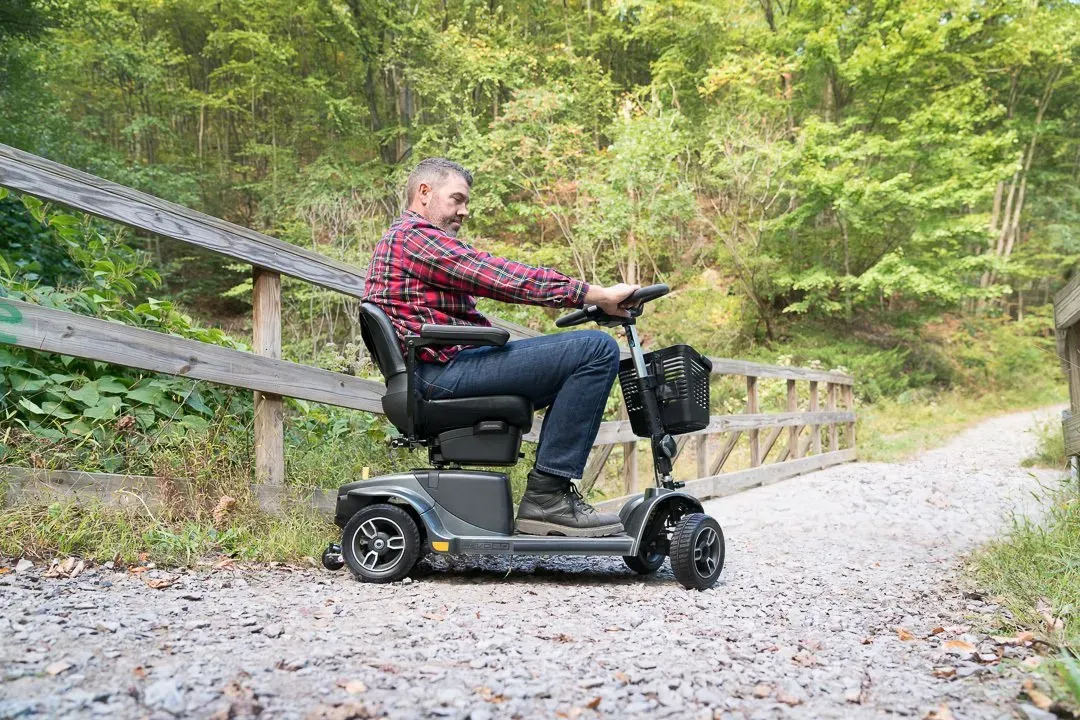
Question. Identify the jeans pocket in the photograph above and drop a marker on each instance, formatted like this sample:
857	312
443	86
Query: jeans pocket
429	374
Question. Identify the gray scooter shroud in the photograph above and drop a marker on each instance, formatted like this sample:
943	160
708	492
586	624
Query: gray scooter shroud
489	508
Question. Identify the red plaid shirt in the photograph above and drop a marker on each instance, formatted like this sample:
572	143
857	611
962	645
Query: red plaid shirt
419	274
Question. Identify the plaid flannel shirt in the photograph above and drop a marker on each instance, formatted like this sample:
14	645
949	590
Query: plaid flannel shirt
419	274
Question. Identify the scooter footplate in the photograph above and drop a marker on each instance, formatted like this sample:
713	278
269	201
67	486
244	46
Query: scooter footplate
543	545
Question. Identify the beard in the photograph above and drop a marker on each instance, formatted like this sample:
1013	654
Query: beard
450	225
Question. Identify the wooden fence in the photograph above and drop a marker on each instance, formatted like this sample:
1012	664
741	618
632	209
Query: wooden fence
272	378
1067	326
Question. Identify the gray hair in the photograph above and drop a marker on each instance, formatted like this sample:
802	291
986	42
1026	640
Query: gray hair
430	171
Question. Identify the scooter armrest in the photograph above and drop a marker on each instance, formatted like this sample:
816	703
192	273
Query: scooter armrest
462	335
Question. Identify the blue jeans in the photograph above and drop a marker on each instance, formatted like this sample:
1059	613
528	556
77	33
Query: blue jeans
569	373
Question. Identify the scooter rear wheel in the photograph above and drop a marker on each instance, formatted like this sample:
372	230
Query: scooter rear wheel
381	543
697	551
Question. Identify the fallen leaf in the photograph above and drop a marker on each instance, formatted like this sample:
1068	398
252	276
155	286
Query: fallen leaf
762	691
58	667
139	672
1032	662
945	671
224	505
941	713
867	640
1038	698
594	703
488	695
958	646
788	698
138	570
1053	624
904	634
4	571
1020	639
144	556
937	631
159	583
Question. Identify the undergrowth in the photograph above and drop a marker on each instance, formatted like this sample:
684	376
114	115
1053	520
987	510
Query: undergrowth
1035	571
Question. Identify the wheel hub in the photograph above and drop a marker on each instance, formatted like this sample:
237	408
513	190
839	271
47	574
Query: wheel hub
707	551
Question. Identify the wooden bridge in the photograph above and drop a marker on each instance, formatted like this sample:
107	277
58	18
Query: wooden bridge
271	378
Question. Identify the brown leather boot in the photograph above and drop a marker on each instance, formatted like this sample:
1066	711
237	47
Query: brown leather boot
553	506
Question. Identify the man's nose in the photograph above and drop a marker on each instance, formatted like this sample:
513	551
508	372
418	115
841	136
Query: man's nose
463	213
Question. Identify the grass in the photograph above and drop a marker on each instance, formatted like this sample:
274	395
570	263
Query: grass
1034	570
95	532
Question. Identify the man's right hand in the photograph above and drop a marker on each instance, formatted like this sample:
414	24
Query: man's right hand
610	299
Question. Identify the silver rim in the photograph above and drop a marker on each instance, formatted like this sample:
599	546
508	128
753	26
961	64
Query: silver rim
378	545
707	552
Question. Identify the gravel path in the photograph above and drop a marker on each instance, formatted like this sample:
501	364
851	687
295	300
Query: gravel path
823	571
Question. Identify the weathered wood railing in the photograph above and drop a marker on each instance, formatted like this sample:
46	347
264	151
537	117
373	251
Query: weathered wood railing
271	378
1067	329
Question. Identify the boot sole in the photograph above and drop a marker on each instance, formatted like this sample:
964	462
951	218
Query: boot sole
538	527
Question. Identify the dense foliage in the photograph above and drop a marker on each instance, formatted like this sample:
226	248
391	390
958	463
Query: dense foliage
827	158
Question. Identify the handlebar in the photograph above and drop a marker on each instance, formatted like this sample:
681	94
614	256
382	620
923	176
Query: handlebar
632	303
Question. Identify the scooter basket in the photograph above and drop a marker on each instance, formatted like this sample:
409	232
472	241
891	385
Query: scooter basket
682	394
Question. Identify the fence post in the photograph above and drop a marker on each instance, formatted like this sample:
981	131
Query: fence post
793	431
849	403
814	408
752	409
269	416
630	468
834	442
701	446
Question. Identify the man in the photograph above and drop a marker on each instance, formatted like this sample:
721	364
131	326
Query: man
421	273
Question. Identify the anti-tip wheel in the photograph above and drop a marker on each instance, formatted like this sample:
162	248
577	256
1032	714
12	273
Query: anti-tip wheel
331	557
381	543
697	551
645	562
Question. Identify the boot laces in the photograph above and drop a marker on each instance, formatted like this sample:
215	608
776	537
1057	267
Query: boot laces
577	501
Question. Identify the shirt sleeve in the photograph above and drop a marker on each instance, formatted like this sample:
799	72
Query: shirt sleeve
444	261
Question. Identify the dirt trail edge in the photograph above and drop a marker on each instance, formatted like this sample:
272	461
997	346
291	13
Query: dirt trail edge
823	573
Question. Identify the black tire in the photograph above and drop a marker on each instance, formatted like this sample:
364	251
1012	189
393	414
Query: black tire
697	551
645	563
386	532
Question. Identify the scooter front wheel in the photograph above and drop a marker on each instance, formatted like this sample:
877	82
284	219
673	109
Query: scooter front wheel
697	551
381	543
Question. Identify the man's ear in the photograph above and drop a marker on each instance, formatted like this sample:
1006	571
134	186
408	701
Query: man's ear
423	193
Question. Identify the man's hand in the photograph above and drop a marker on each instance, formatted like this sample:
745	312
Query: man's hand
610	299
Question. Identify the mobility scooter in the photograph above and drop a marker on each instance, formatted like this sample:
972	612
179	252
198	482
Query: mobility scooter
390	522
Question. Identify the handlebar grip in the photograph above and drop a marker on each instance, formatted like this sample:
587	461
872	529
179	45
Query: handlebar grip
573	318
647	293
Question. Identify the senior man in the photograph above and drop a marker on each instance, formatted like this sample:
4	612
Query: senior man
422	273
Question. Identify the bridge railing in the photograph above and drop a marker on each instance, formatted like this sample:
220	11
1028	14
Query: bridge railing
272	378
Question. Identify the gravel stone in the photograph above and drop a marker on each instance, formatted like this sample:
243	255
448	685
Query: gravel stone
821	571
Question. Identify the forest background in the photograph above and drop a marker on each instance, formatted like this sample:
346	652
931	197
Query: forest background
888	187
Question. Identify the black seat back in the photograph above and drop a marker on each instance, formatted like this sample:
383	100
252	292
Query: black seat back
471	431
381	341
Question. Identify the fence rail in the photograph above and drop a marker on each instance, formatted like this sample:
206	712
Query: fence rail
271	378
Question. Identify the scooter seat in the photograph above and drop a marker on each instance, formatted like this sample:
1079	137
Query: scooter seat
437	416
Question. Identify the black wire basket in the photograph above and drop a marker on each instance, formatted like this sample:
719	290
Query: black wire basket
683	392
